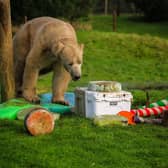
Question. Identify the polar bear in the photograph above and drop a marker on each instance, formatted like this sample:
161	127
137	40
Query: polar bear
43	44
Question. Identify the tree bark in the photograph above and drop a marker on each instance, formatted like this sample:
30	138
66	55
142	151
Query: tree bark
106	7
118	7
6	52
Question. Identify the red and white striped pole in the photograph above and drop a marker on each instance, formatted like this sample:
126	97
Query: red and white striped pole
149	111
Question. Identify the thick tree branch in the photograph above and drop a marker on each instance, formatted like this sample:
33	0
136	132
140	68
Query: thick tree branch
6	52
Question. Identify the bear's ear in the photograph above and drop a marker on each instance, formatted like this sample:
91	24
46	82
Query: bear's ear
58	48
81	46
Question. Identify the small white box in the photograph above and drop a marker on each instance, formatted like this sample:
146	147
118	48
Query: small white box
92	103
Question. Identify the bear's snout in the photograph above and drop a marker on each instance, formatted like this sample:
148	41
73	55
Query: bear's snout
74	70
75	78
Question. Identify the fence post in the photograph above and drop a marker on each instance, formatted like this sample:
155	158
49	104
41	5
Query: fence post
114	20
25	19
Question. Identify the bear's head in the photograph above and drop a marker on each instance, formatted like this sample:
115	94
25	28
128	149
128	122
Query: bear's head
71	56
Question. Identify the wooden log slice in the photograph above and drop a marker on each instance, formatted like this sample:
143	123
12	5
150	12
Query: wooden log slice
39	122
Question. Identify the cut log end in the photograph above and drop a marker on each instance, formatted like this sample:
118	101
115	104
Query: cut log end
39	122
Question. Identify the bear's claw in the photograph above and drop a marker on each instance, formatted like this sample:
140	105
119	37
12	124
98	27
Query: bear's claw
62	102
32	99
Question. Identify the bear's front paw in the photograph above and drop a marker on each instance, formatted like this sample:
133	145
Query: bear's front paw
62	102
32	99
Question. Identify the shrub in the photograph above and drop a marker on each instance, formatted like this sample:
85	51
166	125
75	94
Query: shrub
70	10
154	10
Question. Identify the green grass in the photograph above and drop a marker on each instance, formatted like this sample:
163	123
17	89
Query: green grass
76	143
131	24
133	54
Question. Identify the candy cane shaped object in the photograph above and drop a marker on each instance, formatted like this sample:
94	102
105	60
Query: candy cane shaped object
163	102
149	111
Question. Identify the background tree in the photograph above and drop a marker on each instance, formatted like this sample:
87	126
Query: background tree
153	10
6	54
122	6
70	10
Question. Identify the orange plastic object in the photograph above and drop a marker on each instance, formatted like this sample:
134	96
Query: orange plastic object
39	122
128	115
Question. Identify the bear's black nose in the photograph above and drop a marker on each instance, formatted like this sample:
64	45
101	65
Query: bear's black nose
75	78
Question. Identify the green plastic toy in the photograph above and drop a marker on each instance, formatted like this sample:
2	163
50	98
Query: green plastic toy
17	108
9	109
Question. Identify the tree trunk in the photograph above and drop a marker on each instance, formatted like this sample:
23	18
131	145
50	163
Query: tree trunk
6	52
118	7
106	7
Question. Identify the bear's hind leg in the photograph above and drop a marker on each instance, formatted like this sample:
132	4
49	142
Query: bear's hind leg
19	69
21	49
